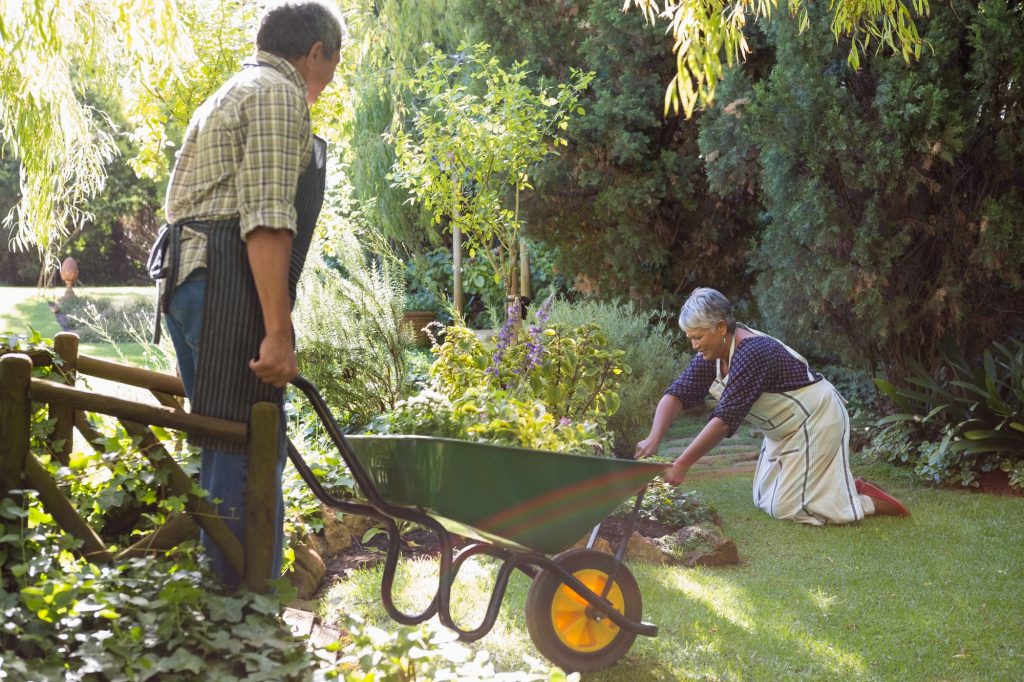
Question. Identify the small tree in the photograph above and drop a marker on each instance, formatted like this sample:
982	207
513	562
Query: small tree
469	153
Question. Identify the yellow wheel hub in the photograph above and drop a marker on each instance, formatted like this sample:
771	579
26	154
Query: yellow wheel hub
573	625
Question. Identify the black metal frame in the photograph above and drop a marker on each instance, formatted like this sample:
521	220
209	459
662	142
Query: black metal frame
529	562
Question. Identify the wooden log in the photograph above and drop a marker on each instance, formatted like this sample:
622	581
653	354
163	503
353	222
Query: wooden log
47	391
168	400
180	483
91	435
65	344
178	529
63	512
260	495
40	357
134	376
15	413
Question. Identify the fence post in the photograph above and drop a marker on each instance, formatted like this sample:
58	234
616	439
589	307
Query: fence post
261	495
65	344
15	413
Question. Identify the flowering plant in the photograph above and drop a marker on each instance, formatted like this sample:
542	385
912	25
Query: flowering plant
553	391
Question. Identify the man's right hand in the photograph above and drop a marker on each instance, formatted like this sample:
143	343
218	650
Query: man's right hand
647	447
276	363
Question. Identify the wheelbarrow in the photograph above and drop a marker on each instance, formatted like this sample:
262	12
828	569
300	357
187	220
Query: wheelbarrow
522	507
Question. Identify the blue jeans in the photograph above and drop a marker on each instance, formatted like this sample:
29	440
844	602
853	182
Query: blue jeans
222	474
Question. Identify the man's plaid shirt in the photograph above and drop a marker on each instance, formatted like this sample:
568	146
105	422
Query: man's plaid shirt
242	156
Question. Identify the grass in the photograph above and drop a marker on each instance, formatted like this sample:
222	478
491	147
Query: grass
25	308
22	308
933	597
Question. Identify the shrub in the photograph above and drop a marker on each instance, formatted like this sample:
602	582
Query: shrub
648	351
554	391
968	418
349	323
102	319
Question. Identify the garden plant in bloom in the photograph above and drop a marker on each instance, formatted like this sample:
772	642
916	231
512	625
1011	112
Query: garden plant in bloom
553	390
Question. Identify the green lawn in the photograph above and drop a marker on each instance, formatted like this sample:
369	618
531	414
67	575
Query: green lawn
934	597
22	308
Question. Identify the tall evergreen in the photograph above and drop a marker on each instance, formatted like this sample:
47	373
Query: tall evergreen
893	195
627	202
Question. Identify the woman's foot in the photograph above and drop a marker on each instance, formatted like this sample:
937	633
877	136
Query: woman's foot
885	504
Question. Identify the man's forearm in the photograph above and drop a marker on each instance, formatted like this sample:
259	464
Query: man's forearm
269	253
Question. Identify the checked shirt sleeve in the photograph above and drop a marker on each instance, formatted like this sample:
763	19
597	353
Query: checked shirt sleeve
749	376
692	385
277	132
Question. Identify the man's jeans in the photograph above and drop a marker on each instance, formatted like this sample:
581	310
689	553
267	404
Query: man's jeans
222	474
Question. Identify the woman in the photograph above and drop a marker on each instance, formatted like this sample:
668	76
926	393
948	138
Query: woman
803	471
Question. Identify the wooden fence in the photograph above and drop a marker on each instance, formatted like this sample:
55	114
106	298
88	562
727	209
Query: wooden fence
19	468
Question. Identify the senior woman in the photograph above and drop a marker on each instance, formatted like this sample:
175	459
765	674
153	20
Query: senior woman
803	471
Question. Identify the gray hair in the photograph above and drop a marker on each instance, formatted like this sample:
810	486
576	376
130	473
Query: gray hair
704	309
290	29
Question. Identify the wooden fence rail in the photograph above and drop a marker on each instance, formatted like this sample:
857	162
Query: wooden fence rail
19	469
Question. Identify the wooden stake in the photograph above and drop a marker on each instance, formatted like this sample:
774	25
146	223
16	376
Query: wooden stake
15	413
65	344
260	495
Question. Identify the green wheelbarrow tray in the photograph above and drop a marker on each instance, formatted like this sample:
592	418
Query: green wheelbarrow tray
514	497
584	607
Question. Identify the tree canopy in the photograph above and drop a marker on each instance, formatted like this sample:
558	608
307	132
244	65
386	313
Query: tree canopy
705	30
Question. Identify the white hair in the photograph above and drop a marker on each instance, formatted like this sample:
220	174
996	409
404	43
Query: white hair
704	309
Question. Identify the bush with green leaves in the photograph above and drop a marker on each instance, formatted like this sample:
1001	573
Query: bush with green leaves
348	319
648	350
105	319
968	417
554	390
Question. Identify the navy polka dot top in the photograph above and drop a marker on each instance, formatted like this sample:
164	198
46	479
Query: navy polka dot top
760	364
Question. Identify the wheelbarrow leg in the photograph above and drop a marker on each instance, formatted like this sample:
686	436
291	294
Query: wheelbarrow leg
630	526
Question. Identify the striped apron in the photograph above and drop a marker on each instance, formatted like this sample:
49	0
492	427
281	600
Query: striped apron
803	471
232	318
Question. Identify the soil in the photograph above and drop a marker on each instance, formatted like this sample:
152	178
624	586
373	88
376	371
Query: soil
996	483
422	543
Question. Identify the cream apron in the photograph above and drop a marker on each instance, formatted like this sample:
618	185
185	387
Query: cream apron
803	471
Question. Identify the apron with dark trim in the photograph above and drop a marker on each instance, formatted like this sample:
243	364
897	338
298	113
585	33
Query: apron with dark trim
232	317
803	471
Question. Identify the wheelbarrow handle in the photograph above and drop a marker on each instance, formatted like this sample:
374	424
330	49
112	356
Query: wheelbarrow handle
378	508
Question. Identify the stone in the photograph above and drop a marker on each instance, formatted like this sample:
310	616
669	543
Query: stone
600	544
643	549
338	535
701	545
305	584
310	561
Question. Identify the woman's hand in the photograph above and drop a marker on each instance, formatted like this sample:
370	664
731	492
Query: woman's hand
675	474
647	447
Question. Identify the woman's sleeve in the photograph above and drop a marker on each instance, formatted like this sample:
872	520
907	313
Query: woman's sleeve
692	385
748	377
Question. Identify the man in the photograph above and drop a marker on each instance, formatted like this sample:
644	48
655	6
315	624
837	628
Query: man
242	202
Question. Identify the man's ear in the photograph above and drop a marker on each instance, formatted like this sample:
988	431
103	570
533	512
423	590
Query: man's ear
316	49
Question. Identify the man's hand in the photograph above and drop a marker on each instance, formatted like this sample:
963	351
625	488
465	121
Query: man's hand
276	363
647	447
675	474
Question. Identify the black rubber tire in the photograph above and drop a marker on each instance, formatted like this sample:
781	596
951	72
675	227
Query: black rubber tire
540	598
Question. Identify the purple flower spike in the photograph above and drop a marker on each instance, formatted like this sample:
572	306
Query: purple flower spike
504	337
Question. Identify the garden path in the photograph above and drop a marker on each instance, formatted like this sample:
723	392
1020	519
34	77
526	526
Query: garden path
735	455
